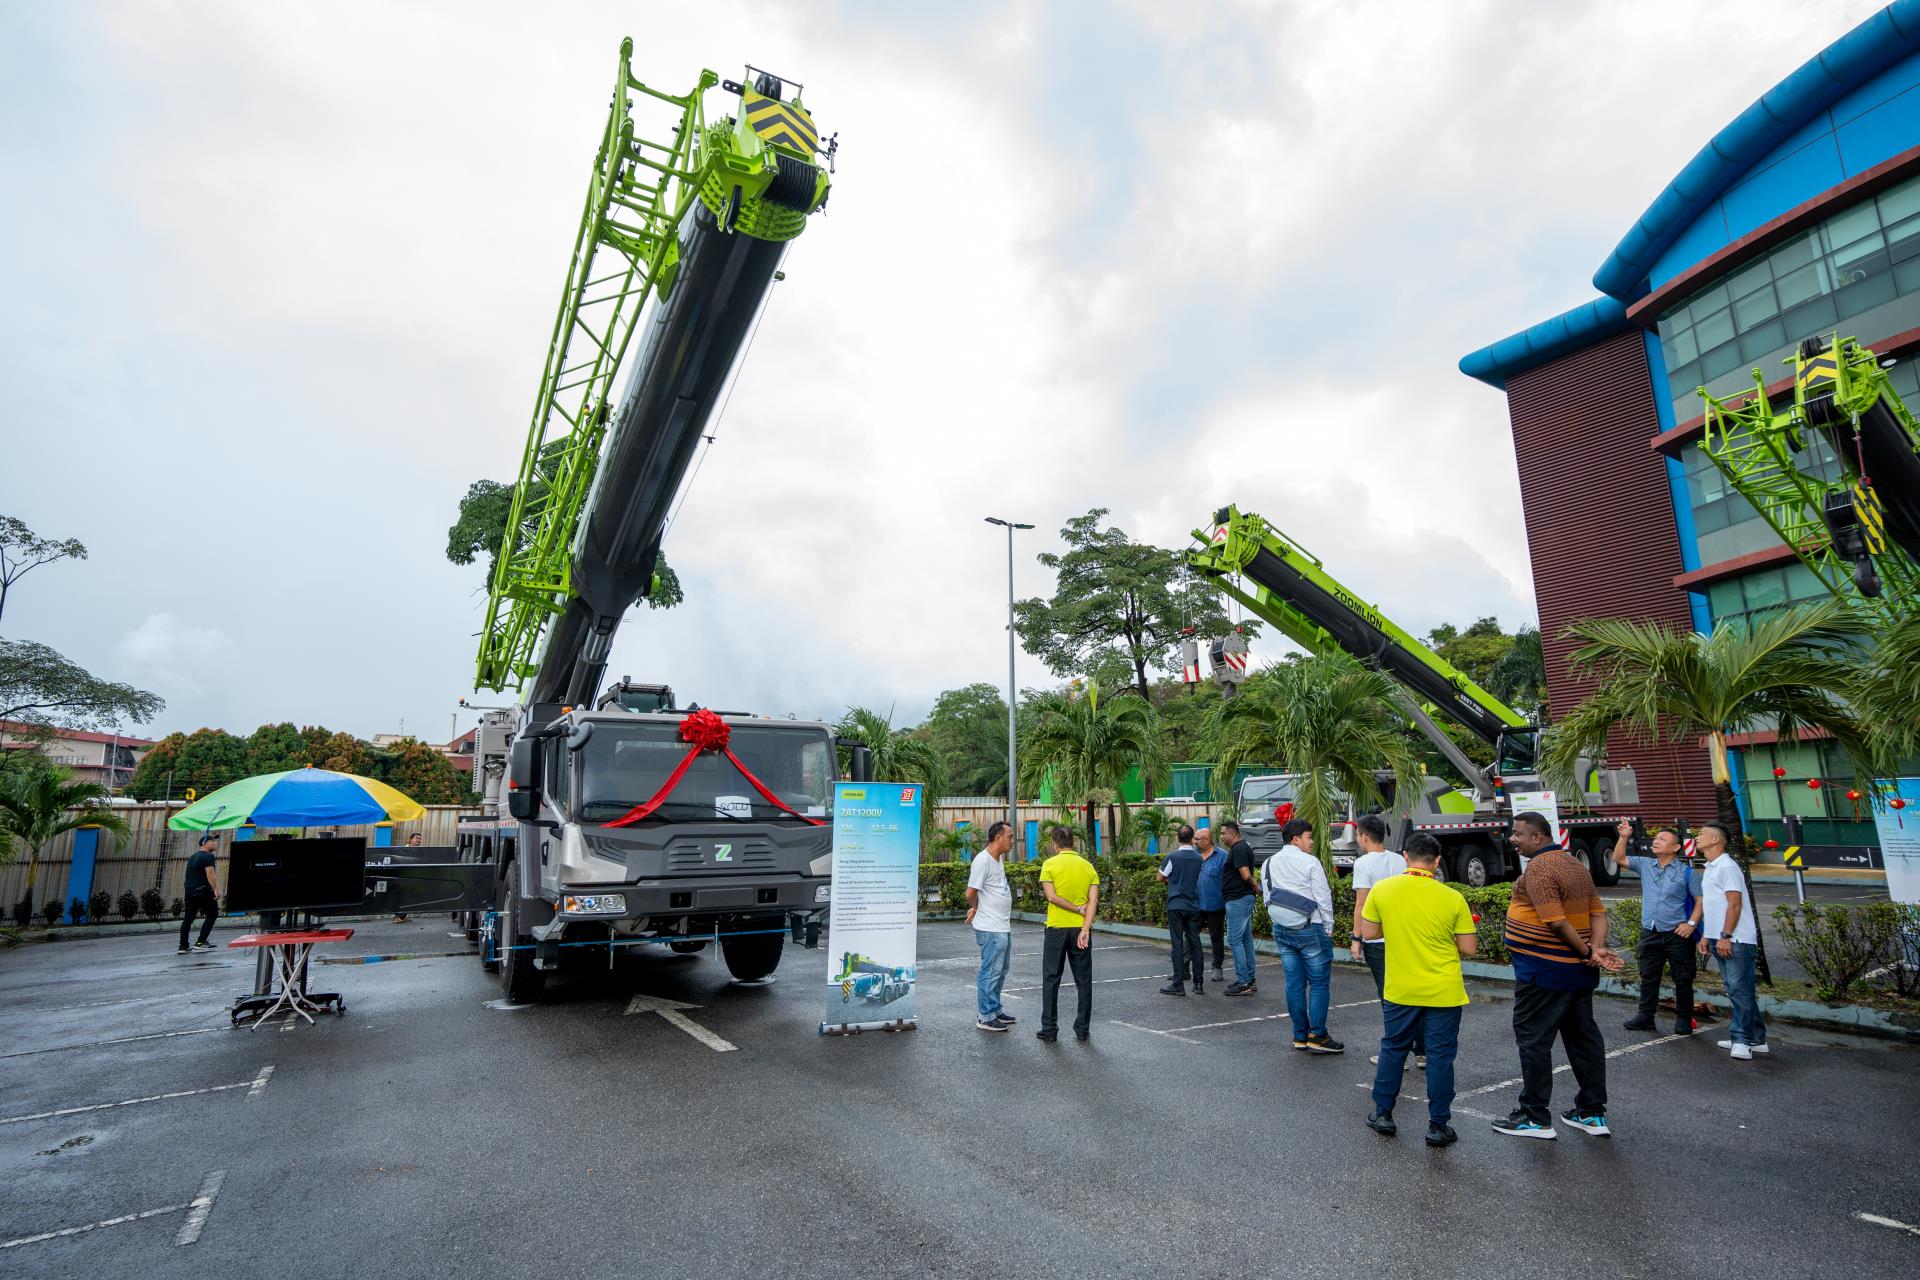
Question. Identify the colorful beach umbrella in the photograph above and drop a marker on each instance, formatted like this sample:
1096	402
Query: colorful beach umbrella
306	797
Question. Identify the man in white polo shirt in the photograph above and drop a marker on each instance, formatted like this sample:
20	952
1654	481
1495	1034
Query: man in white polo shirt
1728	933
990	912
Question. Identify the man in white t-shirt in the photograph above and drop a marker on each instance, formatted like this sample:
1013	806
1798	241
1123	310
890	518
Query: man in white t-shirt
1724	918
990	912
1375	863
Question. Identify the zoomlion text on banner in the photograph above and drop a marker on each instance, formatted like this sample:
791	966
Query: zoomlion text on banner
871	930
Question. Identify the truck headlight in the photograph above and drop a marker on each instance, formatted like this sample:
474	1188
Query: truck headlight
594	904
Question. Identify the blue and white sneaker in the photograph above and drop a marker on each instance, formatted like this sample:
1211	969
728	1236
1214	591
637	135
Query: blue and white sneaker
1521	1125
1594	1124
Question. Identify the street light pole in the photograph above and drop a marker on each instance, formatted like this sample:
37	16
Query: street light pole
1013	693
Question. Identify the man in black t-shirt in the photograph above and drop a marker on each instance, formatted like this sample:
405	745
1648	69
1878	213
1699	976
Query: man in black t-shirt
202	892
1239	887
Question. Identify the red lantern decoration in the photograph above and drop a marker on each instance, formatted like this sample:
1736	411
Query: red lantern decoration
1772	844
1896	803
1779	772
1853	795
1813	784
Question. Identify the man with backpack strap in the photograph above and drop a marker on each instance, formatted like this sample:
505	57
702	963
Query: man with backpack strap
1300	904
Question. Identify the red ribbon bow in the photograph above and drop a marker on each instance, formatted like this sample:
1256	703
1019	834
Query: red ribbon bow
1283	813
706	732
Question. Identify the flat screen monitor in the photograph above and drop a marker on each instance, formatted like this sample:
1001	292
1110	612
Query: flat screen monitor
320	874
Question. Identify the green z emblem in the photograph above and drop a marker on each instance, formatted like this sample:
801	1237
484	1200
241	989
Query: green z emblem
723	853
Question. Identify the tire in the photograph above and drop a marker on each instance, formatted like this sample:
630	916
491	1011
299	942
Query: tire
520	982
756	955
1600	861
688	948
1471	866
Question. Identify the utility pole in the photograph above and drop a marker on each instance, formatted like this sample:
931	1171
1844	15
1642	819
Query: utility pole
1013	692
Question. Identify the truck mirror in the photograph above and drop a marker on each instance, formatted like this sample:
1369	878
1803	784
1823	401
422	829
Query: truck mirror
581	735
523	777
860	762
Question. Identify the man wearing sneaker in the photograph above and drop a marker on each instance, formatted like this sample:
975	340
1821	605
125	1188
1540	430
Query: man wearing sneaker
1071	887
1425	928
990	912
1181	874
1556	934
1375	863
1668	890
1213	905
1727	926
202	892
1239	887
1300	903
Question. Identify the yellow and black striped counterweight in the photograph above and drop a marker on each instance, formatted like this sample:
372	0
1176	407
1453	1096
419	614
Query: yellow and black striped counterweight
780	124
1873	518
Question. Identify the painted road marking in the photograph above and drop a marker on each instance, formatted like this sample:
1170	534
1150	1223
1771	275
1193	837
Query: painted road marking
1266	1017
97	1044
1143	977
1405	1095
671	1011
197	1210
1568	1066
1893	1223
254	1088
201	1206
179	998
1152	1031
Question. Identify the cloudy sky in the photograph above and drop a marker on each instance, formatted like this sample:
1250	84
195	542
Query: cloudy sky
277	280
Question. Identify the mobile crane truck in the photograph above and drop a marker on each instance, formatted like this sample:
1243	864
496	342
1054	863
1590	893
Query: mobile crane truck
1286	586
633	822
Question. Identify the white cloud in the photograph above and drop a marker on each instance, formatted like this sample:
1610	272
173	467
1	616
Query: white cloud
174	652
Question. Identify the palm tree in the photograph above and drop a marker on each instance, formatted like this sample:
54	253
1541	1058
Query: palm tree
1788	672
1519	678
1886	693
38	806
1087	746
899	756
1333	724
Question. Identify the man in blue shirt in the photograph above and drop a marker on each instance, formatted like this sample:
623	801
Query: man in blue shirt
1213	901
1181	874
1668	888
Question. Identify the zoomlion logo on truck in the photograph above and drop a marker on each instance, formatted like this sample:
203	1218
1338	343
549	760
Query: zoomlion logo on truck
1358	606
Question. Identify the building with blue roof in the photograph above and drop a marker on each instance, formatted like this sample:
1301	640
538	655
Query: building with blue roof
1800	217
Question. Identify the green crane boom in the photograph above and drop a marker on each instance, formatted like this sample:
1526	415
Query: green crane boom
755	175
1835	472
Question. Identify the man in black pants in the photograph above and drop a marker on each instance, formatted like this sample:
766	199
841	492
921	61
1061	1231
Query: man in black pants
1668	889
1181	874
1071	887
202	892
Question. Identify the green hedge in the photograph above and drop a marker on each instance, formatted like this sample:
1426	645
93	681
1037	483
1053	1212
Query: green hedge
1840	944
1131	893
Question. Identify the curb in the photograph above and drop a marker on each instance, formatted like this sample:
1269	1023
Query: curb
80	932
1854	1019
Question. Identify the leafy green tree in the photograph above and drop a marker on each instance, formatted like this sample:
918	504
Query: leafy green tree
421	772
481	526
1330	722
1474	651
340	752
206	760
39	807
1519	678
899	756
276	748
1118	607
41	689
22	551
1789	671
968	727
1886	694
1188	729
1087	746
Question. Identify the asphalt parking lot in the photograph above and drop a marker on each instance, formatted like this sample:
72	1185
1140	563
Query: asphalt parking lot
428	1134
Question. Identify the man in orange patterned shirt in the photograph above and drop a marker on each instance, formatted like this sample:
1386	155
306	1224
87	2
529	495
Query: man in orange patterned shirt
1557	938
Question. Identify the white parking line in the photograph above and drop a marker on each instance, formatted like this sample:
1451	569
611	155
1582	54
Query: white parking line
1893	1223
1568	1066
201	1206
259	1085
253	1088
97	1044
1266	1017
670	1010
1152	1031
198	1208
1414	1097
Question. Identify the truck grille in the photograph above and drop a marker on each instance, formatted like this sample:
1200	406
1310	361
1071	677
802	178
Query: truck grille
692	857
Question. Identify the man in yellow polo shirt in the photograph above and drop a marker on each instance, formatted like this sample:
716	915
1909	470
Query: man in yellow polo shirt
1072	890
1428	930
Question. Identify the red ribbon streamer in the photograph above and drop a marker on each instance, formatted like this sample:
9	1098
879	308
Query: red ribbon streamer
1283	812
707	732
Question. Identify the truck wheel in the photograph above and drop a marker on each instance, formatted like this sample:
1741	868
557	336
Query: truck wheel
755	955
689	948
1600	859
1470	867
520	982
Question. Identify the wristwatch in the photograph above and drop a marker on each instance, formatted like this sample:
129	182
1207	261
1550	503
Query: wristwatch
1726	937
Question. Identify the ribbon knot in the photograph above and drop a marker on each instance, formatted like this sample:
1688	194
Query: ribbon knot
705	731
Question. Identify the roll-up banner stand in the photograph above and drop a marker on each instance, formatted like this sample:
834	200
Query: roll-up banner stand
875	910
1899	840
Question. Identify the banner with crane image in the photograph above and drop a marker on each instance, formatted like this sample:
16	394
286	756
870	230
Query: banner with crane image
872	922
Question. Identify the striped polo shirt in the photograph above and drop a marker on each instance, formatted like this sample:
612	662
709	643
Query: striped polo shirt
1555	886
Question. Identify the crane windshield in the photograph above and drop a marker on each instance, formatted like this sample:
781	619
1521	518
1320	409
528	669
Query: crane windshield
624	765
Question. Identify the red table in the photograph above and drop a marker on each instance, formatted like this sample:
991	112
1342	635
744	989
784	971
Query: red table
289	950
